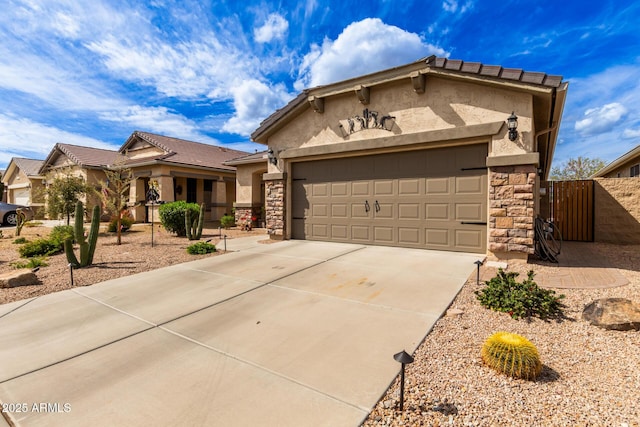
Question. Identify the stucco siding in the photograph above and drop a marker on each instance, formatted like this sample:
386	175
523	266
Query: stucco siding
617	211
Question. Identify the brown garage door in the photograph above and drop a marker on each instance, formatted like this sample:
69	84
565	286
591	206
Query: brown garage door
432	199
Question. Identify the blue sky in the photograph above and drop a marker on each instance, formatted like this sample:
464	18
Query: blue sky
92	72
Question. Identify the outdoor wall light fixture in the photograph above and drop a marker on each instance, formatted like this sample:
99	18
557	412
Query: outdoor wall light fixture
272	157
405	359
512	125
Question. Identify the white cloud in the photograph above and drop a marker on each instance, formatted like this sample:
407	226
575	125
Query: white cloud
631	133
274	28
253	101
20	137
600	120
453	5
363	47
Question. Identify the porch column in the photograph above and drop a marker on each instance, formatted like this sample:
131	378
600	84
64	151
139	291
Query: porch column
275	187
511	211
165	187
219	207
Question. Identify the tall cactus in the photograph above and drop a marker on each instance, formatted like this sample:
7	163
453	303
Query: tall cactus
194	229
87	247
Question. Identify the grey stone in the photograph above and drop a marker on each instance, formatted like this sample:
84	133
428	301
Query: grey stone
18	278
617	314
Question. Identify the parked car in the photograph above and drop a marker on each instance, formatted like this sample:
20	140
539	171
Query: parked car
9	213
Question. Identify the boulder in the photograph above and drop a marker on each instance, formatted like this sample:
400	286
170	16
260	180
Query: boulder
617	314
18	278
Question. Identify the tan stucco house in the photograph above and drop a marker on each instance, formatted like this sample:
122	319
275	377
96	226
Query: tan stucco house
184	170
416	156
625	166
23	183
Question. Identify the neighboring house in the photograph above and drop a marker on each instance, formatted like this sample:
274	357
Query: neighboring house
184	170
250	188
24	184
625	166
416	156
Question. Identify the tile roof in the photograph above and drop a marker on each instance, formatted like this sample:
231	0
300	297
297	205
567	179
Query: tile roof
259	157
87	156
626	157
30	167
181	151
514	74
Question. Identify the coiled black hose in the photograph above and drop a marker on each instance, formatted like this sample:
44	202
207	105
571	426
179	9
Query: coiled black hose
547	246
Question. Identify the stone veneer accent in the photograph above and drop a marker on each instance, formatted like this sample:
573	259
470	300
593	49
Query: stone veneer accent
274	209
511	209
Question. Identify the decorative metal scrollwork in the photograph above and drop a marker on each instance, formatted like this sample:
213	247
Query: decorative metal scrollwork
369	120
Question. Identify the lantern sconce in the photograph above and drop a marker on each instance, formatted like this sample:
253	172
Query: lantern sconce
272	157
512	125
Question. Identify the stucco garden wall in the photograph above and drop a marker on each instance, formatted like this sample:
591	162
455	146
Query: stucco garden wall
617	210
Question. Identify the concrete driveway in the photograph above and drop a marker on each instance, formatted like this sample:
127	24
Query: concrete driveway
293	333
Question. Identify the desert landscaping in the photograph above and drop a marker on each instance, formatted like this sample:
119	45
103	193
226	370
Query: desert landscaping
589	375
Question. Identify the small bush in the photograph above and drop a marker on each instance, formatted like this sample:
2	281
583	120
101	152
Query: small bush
125	222
32	263
227	221
20	240
201	248
505	294
60	233
172	216
39	247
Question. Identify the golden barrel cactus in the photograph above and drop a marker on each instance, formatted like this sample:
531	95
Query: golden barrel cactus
512	354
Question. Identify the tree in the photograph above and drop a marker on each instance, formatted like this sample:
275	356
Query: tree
115	192
580	168
63	192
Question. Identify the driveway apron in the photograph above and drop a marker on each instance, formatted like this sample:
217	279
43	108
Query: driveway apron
292	333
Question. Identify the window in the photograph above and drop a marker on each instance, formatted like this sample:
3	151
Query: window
635	170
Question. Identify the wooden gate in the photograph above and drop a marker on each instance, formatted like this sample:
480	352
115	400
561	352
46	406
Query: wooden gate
572	209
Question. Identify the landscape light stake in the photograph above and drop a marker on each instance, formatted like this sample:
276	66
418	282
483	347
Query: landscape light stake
478	263
404	358
225	243
71	271
152	223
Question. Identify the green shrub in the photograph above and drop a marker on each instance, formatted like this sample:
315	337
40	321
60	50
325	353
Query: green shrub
512	354
125	222
227	221
31	263
172	216
201	248
39	247
20	240
60	233
505	294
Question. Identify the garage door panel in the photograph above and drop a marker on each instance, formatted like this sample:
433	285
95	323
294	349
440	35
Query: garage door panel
361	188
360	210
339	189
339	231
339	210
437	186
408	211
383	188
320	190
409	187
320	210
383	234
439	211
360	233
320	231
408	235
469	185
384	211
436	237
469	212
472	240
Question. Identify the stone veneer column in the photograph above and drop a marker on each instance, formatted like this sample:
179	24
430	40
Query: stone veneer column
274	204
511	209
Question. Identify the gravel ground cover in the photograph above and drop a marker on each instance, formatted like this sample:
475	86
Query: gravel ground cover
134	255
590	377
